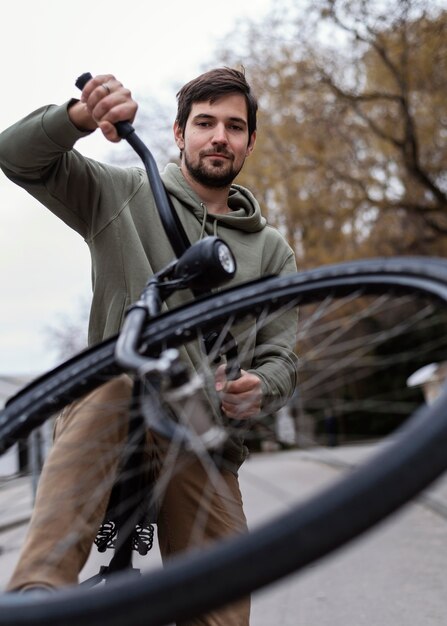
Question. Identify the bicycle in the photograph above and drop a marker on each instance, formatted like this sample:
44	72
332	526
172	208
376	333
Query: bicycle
364	326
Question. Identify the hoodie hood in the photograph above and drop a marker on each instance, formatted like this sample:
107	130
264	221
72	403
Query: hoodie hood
245	211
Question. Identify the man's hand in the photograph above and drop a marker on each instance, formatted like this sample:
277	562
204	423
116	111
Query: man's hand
104	101
241	398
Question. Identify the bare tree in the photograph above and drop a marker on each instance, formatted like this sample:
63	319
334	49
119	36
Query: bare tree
352	154
153	124
67	335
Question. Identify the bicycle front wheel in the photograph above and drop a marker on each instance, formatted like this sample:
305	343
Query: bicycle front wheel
364	329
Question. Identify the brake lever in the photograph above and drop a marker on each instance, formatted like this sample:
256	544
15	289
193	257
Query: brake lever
233	368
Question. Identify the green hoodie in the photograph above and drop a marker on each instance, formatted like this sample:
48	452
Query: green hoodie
113	209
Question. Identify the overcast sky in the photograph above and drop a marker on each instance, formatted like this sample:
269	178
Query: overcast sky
44	46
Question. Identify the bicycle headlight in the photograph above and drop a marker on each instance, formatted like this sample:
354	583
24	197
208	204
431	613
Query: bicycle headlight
206	264
226	258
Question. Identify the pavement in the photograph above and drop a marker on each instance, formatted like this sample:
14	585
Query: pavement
392	576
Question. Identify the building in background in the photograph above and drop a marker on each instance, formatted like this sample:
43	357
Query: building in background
16	459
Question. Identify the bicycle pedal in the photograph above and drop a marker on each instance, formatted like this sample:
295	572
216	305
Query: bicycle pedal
143	538
106	535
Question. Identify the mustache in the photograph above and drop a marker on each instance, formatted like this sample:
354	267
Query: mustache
217	150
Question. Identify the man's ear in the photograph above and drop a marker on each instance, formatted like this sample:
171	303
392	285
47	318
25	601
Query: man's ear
178	135
251	144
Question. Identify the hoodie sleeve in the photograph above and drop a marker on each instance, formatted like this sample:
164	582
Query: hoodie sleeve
274	359
37	154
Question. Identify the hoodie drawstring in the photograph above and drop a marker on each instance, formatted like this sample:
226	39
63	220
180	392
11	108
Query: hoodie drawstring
205	215
203	225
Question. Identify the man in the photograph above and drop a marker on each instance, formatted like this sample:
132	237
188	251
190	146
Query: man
114	210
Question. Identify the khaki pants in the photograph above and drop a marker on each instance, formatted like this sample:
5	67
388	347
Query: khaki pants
74	490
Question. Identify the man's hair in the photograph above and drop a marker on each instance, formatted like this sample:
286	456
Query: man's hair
211	86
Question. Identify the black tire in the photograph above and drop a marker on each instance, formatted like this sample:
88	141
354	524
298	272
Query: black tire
320	525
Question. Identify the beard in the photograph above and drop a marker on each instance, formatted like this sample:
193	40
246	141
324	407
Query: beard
219	173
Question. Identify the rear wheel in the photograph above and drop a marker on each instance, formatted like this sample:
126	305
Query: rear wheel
364	329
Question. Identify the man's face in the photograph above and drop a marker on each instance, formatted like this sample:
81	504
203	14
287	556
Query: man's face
215	141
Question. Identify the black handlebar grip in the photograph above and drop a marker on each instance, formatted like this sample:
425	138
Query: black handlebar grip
124	129
82	80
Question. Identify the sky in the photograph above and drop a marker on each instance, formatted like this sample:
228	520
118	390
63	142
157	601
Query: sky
44	46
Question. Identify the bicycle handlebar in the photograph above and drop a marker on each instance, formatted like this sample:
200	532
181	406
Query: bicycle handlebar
127	131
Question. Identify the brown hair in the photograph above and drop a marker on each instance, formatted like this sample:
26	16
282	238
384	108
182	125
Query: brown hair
212	85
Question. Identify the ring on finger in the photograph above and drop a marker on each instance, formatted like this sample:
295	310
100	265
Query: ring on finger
107	88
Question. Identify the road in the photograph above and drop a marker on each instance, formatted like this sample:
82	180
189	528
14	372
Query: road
392	576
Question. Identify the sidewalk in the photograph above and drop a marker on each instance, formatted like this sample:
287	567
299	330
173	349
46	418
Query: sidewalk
393	576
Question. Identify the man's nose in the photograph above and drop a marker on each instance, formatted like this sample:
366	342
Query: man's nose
220	134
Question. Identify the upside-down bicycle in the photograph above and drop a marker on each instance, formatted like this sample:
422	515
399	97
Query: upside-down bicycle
364	328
